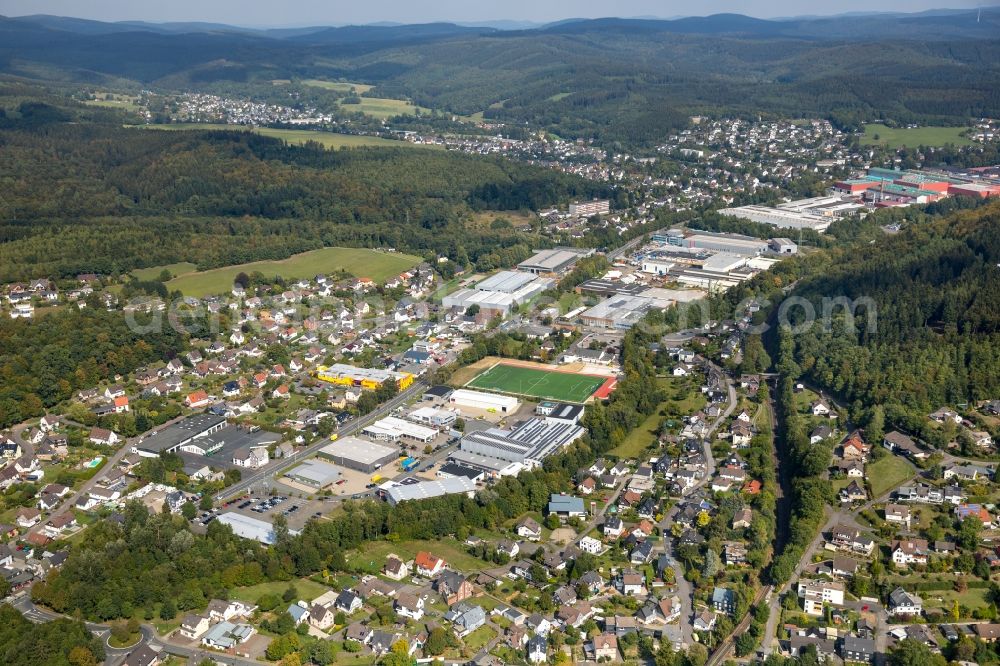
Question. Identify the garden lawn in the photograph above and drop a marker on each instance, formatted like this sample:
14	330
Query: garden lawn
307	589
373	557
887	473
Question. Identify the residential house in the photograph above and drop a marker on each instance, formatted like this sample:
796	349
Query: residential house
898	442
321	617
142	656
453	587
466	618
844	567
591	545
348	602
193	626
359	633
704	621
816	593
902	602
631	583
219	610
853	540
723	600
604	647
409	605
909	551
528	528
537	650
427	565
395	568
856	648
898	514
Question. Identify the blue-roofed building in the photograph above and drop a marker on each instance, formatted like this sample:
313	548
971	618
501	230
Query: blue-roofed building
414	356
723	600
226	635
299	613
566	506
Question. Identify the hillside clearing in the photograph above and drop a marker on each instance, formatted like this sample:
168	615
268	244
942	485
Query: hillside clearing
359	262
919	136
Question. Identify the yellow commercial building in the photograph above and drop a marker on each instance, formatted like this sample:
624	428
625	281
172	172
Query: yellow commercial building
367	378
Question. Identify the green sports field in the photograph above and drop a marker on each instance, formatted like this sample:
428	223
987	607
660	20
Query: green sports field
564	386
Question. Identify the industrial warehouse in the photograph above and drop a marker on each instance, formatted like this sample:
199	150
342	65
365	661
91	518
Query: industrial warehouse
529	443
359	454
171	438
553	262
491	402
250	528
816	213
367	378
315	474
426	489
441	419
392	429
500	293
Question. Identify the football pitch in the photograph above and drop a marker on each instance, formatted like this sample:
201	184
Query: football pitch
535	383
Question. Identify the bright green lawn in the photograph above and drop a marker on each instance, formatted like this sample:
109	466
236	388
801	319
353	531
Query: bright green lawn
307	589
537	383
921	136
479	637
373	557
294	136
888	473
360	262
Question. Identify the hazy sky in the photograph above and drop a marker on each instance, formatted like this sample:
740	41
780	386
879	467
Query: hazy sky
337	12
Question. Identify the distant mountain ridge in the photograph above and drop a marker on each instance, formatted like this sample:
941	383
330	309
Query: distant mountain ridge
930	24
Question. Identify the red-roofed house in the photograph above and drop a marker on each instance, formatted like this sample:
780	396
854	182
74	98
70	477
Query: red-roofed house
427	565
197	399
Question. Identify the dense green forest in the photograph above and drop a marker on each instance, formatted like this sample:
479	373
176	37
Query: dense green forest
80	193
933	337
58	643
44	362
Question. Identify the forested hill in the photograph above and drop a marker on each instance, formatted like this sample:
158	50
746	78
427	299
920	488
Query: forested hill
935	338
83	194
612	79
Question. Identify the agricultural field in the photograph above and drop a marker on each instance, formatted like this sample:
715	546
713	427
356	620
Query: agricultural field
359	262
294	136
537	383
383	108
887	473
339	86
920	136
114	101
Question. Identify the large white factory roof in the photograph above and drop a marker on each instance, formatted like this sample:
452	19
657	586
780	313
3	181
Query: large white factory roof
428	489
